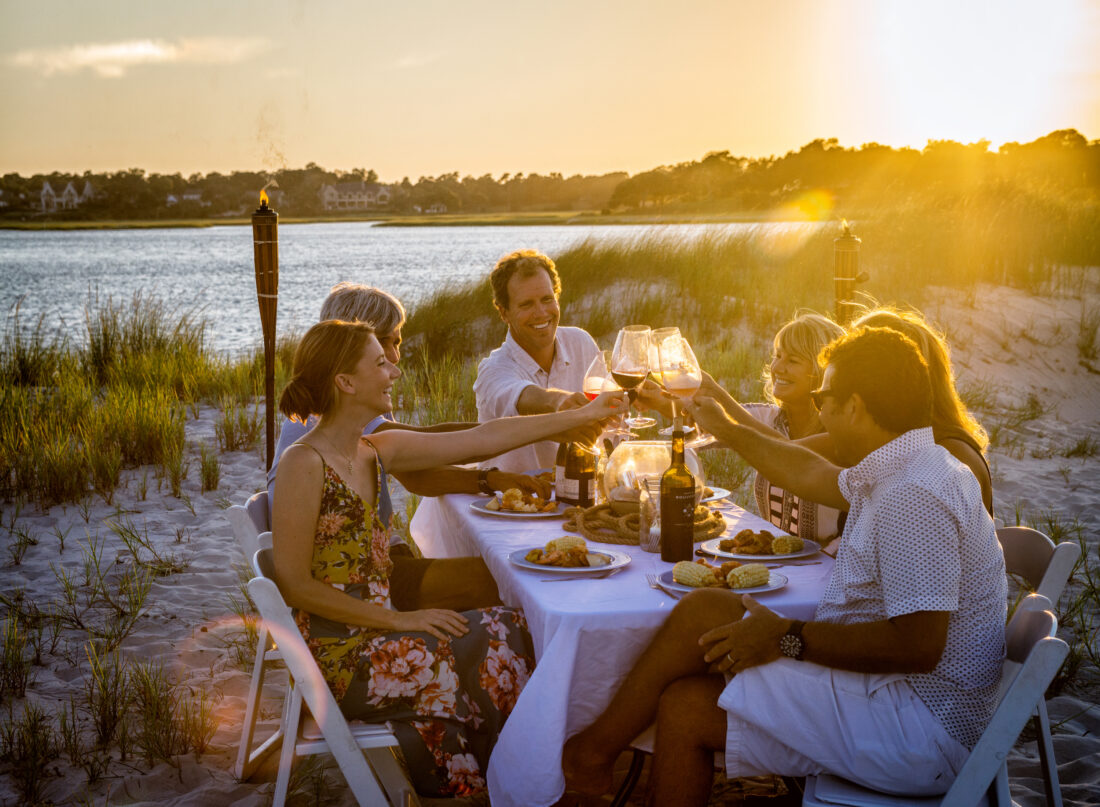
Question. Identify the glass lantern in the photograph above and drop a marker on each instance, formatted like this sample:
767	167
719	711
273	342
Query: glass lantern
634	461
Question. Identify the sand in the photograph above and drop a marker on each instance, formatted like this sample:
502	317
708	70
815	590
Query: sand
1006	343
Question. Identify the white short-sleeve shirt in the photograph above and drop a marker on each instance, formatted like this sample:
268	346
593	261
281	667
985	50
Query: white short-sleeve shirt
918	538
509	370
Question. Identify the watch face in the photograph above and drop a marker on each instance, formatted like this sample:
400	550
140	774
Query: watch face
790	646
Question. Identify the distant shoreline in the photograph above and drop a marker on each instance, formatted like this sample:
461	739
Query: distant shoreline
548	218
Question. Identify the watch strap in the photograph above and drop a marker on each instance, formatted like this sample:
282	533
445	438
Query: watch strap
483	485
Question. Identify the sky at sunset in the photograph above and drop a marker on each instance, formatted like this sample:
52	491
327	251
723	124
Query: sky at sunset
424	87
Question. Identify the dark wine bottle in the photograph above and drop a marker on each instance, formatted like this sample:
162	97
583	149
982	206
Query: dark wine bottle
578	477
559	472
677	503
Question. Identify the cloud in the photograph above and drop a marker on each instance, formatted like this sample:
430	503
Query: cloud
113	59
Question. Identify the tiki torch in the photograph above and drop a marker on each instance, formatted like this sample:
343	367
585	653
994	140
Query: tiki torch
265	242
845	273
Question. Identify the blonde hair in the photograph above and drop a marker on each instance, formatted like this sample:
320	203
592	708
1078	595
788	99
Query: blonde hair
804	336
328	349
950	417
354	302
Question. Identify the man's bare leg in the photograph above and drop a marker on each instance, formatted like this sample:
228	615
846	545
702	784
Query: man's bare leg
460	584
690	728
588	757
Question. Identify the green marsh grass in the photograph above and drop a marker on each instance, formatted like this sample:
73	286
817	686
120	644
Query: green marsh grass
31	744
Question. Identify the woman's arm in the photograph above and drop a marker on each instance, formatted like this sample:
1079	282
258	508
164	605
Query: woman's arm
294	523
451	479
788	465
410	451
735	410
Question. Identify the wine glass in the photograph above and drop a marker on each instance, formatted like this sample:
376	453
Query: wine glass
656	338
680	373
630	366
597	379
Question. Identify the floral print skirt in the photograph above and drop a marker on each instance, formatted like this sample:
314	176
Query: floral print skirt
447	700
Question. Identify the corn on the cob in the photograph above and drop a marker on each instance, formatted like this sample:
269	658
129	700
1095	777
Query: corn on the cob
786	544
748	576
696	575
565	543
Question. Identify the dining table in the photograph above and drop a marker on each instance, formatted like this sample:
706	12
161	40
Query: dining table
587	630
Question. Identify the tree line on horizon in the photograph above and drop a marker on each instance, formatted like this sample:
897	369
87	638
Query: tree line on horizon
1062	165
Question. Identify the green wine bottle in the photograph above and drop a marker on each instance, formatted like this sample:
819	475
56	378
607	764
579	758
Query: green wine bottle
677	503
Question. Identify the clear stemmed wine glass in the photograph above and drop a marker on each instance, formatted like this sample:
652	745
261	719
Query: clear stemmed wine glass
680	373
597	379
656	338
630	366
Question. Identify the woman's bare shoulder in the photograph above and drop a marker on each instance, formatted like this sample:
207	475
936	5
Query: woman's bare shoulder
300	458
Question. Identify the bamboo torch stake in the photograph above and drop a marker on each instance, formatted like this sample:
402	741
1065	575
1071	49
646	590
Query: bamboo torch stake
265	242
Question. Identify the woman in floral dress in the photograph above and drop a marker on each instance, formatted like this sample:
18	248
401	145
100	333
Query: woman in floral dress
446	680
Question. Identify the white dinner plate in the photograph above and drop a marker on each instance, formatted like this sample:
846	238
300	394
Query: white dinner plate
775	580
711	547
479	507
606	560
719	493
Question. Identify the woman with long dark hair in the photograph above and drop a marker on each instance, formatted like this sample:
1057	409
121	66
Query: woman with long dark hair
446	680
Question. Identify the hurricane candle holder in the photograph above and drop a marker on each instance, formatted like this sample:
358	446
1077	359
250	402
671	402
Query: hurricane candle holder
265	243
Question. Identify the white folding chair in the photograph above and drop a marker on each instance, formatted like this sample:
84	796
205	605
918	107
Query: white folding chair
363	751
249	758
248	521
1034	656
1045	567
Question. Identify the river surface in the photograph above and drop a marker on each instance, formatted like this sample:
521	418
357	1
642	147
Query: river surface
54	273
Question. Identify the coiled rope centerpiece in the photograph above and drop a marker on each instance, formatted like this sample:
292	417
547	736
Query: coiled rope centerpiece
600	523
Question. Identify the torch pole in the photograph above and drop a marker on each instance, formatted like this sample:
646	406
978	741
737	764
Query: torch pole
265	242
845	274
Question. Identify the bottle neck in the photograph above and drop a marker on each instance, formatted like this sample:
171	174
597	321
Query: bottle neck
678	440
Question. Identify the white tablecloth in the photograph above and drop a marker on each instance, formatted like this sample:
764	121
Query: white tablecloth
587	633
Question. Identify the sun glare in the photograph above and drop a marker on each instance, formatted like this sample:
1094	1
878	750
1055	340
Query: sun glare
966	72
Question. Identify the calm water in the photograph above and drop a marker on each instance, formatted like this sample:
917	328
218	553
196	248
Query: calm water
54	272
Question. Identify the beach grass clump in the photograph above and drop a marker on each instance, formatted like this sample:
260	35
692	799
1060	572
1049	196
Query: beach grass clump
144	552
209	468
106	693
240	426
30	744
168	721
439	391
15	664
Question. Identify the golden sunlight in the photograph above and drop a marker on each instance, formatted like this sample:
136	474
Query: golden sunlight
978	71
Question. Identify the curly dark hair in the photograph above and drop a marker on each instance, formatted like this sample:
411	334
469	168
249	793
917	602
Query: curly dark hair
886	369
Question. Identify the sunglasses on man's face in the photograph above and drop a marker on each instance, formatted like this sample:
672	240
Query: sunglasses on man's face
818	396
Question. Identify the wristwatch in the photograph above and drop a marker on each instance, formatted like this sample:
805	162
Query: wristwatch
483	485
790	643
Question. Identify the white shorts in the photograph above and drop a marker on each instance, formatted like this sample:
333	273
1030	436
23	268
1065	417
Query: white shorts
794	718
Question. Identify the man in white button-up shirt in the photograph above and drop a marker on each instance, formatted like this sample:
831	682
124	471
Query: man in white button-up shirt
896	677
541	366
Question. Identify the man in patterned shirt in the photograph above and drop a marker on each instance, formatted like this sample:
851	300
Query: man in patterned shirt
897	676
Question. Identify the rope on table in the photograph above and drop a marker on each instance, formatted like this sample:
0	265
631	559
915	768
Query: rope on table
601	524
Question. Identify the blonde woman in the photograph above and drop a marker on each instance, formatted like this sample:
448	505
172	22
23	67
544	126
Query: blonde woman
953	427
789	412
445	680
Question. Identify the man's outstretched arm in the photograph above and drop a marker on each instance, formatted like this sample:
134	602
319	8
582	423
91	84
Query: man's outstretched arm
790	466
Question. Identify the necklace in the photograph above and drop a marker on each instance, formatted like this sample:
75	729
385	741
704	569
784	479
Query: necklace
341	453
